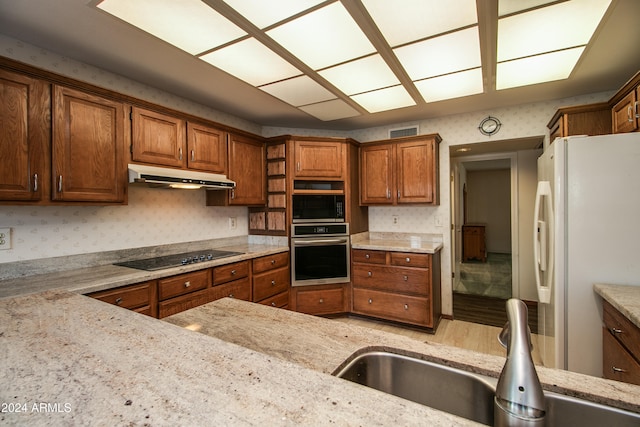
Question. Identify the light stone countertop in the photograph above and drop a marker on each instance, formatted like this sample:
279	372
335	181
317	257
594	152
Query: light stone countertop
91	363
402	242
624	298
101	277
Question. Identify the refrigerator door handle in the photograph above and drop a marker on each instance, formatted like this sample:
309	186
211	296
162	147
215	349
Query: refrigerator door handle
543	242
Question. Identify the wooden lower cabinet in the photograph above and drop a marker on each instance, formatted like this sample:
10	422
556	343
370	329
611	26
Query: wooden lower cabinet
271	280
621	347
184	291
398	286
474	243
232	281
141	297
321	299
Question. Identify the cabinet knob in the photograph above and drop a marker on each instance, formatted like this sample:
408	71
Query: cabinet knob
118	301
369	274
370	301
187	284
407	259
273	304
367	256
273	282
231	296
321	300
406	306
273	261
233	272
405	278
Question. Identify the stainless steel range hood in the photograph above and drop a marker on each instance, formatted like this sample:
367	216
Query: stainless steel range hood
152	176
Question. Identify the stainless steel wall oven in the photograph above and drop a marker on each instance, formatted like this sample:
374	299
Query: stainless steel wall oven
319	254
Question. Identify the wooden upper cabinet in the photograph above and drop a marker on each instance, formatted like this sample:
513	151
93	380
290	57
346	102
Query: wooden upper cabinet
415	171
400	172
247	167
88	148
207	149
625	107
24	137
158	138
591	119
319	159
376	174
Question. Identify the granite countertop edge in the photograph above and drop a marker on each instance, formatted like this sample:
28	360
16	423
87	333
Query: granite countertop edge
624	298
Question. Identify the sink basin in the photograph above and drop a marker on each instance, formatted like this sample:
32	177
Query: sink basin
466	394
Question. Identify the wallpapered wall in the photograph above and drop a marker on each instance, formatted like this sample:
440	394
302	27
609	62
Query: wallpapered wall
171	217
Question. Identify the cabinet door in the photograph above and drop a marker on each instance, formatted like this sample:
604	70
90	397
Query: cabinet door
623	114
376	175
158	138
88	148
247	167
24	137
317	159
415	171
207	149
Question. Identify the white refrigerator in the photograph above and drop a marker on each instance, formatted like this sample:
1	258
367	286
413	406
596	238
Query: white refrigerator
586	231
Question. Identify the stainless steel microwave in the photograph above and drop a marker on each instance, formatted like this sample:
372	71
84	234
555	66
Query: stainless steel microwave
318	208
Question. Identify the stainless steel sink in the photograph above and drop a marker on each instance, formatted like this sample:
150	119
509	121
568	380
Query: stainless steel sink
466	394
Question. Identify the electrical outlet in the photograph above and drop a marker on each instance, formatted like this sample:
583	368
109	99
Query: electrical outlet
233	223
395	220
5	238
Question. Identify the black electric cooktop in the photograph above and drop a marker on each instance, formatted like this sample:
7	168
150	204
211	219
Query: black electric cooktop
168	261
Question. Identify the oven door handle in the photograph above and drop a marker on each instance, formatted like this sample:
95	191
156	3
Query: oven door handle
319	242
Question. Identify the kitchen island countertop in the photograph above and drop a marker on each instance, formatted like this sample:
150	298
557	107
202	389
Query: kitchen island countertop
399	242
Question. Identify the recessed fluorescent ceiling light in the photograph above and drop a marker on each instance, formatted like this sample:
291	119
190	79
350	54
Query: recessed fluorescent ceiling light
537	69
451	85
560	26
190	25
417	19
362	75
265	13
384	99
331	110
506	7
441	55
299	91
252	62
323	38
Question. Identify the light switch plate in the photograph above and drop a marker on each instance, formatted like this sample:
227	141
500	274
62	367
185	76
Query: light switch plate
5	238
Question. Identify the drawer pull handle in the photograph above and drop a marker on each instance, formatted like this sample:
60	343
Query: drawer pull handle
616	331
273	282
233	272
179	153
407	259
629	114
35	182
370	301
187	284
193	156
321	300
369	274
118	301
405	278
367	256
618	370
60	184
406	306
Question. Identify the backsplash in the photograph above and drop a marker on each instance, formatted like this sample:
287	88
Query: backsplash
152	217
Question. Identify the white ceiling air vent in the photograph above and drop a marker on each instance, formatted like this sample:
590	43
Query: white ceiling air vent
408	131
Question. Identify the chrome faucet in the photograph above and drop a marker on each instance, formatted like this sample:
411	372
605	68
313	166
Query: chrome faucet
519	399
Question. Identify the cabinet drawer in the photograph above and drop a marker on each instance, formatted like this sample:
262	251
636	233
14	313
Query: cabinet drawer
622	328
617	363
281	300
396	279
131	297
270	262
402	308
229	272
184	302
183	284
271	283
239	289
407	259
369	257
325	301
